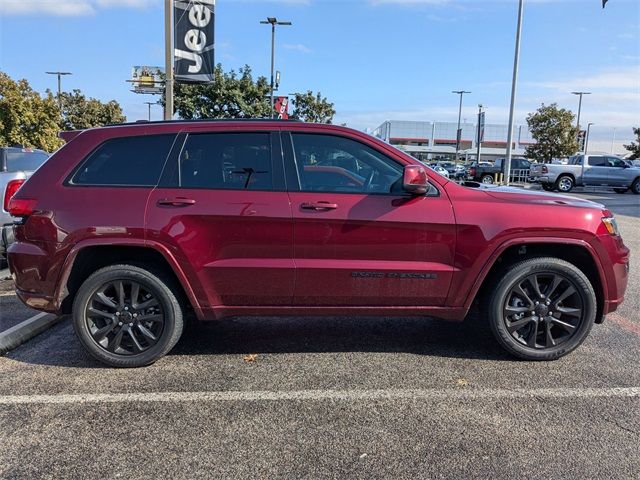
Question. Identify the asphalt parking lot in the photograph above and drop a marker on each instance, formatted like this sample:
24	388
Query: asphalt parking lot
330	398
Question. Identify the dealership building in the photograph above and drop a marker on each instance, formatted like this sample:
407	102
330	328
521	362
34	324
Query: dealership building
437	140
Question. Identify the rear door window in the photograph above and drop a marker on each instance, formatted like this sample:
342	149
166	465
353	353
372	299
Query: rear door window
126	161
598	162
227	161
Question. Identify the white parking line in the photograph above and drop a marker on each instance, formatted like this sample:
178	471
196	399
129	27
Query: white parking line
319	395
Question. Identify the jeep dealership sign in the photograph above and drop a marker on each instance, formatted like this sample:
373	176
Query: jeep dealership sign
193	40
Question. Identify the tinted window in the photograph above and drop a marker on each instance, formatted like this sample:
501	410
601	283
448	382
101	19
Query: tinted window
616	162
328	163
227	161
131	161
25	161
598	162
577	160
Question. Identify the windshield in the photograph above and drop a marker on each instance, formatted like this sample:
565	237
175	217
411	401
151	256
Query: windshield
25	161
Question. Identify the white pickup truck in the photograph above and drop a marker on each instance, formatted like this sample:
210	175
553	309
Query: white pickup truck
16	165
597	170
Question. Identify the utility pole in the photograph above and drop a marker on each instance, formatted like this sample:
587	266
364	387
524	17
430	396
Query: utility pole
580	94
613	139
458	132
149	104
168	59
586	140
59	75
514	88
273	21
479	146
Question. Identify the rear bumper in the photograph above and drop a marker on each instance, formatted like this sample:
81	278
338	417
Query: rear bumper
7	237
541	179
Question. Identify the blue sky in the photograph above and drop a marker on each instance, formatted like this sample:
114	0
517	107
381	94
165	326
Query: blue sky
376	59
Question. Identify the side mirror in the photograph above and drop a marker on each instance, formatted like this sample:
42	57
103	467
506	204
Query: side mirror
415	180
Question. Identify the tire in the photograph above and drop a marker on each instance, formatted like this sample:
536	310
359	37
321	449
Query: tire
523	336
547	187
621	190
142	340
564	184
487	179
635	186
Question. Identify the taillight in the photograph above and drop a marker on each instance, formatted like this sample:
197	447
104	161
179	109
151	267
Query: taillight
21	207
473	171
12	187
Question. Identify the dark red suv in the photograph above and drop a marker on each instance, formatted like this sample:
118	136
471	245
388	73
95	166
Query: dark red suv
130	228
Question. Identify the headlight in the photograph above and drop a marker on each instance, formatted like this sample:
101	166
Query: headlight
611	225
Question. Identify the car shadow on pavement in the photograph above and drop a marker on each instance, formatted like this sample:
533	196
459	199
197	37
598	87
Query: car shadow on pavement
422	336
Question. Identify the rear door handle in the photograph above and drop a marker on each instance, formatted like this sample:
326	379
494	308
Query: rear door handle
176	202
319	206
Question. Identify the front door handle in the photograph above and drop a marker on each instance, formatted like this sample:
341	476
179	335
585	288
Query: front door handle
319	206
176	202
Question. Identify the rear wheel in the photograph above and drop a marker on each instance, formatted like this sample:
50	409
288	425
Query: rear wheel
127	316
488	179
564	184
635	186
620	190
542	309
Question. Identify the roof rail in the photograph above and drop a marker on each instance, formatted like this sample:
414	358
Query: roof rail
204	120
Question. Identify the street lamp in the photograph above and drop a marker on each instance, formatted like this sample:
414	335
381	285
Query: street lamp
59	74
514	88
458	132
273	21
580	94
586	141
149	104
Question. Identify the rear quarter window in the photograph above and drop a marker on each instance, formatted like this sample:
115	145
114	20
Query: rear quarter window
125	161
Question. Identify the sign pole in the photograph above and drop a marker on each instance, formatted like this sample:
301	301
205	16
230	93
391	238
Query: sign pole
168	51
514	88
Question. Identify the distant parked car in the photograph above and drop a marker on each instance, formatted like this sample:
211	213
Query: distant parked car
441	170
488	174
597	170
16	165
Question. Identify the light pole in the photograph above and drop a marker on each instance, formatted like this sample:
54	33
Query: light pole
168	59
479	146
580	94
273	21
149	104
586	141
613	139
59	75
514	88
458	132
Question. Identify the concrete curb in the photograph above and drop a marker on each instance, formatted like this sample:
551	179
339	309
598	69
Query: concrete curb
25	331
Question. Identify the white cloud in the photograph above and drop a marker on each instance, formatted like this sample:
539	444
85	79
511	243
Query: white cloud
299	47
620	78
65	8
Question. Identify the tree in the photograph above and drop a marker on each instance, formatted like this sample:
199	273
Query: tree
312	108
26	118
553	130
80	112
634	147
230	95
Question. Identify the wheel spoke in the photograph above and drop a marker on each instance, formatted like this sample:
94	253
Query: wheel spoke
557	280
100	334
572	312
152	302
567	326
120	291
518	324
520	291
549	341
566	294
135	292
136	342
116	342
147	333
100	313
103	299
533	281
154	318
533	335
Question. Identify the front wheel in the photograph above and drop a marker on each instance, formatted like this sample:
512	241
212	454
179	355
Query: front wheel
127	316
542	309
635	186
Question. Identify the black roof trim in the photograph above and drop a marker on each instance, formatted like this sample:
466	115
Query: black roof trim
204	120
